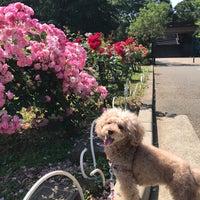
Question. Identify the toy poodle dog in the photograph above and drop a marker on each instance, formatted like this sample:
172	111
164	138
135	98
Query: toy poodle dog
135	163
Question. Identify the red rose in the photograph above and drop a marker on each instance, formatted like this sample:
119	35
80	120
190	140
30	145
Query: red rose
94	41
78	40
129	41
101	50
119	48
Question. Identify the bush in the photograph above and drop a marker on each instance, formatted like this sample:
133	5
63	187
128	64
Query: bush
115	61
40	67
55	77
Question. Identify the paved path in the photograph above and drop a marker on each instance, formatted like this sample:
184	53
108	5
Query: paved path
178	88
177	85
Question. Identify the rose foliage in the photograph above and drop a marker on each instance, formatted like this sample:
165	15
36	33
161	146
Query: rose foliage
116	61
40	67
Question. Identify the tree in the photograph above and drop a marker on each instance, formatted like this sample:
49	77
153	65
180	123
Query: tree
151	22
187	11
197	4
167	1
127	11
79	15
91	16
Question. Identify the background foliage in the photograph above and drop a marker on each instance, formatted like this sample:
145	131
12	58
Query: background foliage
187	11
107	16
151	22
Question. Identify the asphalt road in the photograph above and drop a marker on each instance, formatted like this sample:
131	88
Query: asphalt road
177	85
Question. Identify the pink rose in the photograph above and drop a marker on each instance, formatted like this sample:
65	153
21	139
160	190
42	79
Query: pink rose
37	77
47	98
10	95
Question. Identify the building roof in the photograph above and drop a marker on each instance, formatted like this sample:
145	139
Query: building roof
181	27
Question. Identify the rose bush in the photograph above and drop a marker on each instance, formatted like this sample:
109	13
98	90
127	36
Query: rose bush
115	61
40	67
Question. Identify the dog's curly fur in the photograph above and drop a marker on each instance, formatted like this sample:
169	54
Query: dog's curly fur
136	163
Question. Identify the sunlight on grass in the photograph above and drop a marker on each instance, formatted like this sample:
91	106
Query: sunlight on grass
134	90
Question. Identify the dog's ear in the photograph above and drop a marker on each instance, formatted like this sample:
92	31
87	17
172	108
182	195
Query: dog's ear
97	126
135	131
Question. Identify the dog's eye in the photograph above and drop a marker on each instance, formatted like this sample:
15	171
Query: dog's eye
120	127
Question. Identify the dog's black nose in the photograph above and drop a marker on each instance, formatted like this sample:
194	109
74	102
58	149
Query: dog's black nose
110	132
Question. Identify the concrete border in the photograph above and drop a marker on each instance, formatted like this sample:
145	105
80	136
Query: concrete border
146	117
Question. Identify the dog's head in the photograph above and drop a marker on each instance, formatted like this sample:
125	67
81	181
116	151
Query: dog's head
116	125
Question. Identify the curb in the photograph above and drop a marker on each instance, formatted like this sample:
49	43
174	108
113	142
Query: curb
146	117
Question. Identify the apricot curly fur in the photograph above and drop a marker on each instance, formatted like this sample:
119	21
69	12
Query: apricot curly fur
136	163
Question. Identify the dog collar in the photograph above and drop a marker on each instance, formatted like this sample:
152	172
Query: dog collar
119	168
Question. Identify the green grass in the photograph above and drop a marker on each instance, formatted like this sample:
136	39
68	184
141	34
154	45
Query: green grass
27	156
136	88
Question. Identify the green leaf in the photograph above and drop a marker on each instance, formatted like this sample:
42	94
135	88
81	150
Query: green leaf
43	35
28	38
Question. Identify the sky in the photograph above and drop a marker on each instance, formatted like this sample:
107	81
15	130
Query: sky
174	2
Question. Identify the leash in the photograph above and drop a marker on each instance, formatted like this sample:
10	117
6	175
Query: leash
112	180
119	168
112	183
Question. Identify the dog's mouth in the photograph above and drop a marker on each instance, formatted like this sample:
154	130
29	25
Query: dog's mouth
108	140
